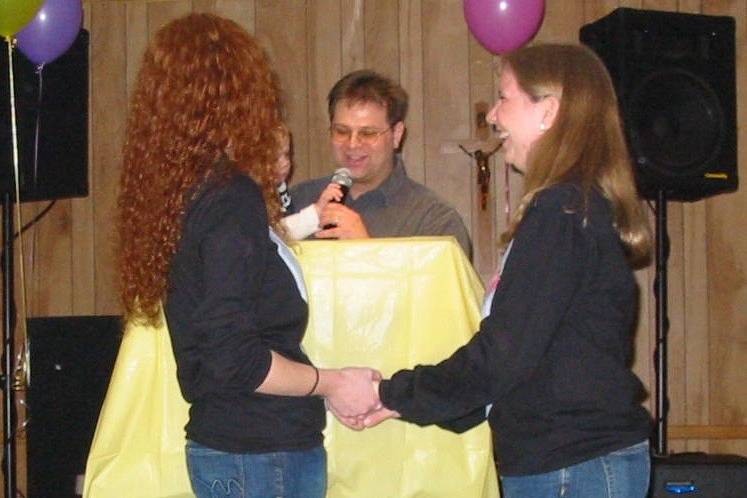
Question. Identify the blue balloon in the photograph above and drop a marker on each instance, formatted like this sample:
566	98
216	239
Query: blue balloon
52	31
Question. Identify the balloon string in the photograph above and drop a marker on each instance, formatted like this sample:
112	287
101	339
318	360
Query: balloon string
19	382
39	100
13	130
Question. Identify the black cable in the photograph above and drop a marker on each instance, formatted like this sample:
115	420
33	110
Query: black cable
35	219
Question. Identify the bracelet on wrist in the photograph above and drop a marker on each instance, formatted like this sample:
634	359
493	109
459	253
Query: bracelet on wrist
316	381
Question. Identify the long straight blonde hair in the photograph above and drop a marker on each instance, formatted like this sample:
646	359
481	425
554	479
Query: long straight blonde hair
585	144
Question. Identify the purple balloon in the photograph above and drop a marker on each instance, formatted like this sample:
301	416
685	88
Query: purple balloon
52	31
503	25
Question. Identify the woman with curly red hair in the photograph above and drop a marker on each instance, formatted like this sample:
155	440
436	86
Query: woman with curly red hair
198	225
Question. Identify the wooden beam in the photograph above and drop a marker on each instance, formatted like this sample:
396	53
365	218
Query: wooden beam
707	432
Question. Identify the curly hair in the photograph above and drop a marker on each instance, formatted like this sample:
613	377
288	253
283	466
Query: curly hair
205	91
586	143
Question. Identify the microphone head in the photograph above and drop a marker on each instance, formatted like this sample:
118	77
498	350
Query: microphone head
342	177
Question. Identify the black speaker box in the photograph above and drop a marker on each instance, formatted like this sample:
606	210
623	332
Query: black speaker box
61	115
71	359
699	475
675	77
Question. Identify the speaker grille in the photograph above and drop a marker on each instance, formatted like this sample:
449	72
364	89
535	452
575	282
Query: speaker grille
675	79
676	123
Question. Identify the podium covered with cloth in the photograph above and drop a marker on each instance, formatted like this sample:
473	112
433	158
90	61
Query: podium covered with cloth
384	303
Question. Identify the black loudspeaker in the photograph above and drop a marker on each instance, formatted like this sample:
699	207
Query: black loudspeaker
61	166
71	363
674	75
699	475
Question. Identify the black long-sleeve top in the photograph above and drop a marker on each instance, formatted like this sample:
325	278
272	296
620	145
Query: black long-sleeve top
553	355
231	300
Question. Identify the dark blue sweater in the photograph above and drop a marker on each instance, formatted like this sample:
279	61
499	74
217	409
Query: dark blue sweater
231	300
554	354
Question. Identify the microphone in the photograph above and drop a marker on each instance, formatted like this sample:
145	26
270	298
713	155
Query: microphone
343	179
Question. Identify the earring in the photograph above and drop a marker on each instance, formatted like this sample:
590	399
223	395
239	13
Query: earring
543	127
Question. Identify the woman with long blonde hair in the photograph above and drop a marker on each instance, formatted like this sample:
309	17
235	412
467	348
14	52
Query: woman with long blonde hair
197	220
551	360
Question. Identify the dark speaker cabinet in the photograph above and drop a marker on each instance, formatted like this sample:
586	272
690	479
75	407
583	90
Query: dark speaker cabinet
52	124
699	475
71	359
675	79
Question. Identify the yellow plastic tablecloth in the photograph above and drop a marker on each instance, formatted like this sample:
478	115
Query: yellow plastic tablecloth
385	303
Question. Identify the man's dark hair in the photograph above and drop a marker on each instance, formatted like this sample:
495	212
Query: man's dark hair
364	86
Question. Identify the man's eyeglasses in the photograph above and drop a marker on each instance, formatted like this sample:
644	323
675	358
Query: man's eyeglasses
366	136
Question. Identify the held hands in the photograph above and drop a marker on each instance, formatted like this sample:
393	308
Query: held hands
349	392
374	418
352	395
345	223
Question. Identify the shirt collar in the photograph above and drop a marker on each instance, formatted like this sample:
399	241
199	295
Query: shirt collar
394	182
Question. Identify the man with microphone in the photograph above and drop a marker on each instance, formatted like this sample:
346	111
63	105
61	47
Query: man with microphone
367	113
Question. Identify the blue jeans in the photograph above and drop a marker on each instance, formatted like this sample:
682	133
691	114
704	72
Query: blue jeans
288	474
620	474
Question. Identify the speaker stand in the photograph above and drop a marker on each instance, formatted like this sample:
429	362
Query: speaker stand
9	413
662	324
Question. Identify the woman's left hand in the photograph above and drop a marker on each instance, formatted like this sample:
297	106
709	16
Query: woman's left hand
350	392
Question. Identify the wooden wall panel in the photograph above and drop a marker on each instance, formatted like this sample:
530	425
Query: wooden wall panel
108	67
424	44
83	254
136	41
160	13
411	78
324	69
561	23
241	11
727	254
695	362
284	37
352	37
446	109
51	267
594	9
381	36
